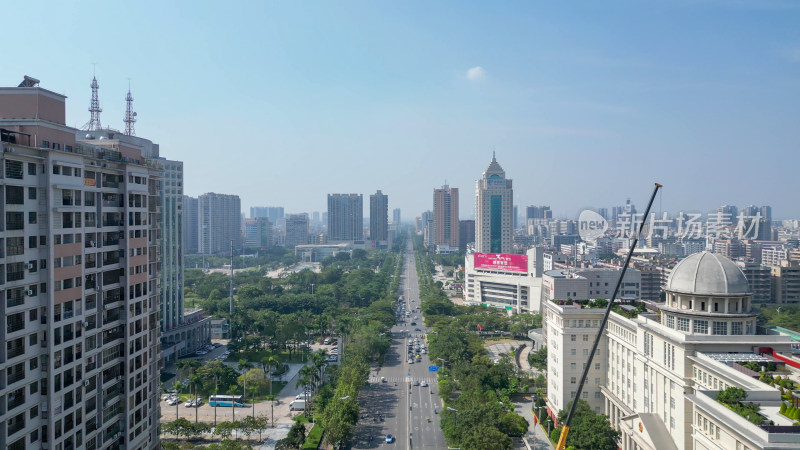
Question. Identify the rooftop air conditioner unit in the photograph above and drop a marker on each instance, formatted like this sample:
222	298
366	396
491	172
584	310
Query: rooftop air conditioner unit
29	292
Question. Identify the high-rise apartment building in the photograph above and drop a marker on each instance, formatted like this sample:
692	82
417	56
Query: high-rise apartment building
493	211
379	216
182	331
445	217
296	230
345	217
466	233
273	213
80	265
538	212
191	227
257	233
396	216
171	207
219	220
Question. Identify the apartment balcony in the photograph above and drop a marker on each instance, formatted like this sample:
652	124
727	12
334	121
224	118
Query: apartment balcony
15	424
15	348
15	399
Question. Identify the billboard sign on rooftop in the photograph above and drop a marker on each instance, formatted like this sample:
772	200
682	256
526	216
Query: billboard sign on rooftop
501	261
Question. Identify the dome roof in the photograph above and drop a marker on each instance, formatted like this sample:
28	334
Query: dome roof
707	273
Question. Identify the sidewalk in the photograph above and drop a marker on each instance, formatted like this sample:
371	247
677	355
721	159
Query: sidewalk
536	437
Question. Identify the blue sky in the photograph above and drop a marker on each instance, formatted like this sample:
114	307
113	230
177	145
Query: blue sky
586	103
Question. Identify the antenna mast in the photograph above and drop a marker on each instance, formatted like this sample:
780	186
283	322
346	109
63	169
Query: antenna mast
94	109
130	115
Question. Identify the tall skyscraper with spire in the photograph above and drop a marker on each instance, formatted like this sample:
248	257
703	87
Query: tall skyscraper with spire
494	211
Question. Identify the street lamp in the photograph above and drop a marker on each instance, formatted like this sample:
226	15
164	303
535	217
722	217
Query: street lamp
455	415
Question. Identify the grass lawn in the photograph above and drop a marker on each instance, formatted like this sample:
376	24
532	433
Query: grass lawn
313	438
301	418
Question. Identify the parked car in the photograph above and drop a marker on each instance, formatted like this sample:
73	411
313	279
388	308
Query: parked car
389	439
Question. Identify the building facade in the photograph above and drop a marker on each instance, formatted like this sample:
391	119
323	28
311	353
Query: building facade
80	272
379	216
191	227
664	370
510	282
494	222
445	217
296	230
220	223
257	233
345	217
466	234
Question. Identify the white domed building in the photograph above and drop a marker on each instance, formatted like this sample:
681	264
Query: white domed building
664	369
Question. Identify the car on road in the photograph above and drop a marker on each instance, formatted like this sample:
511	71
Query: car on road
424	383
415	383
416	329
414	324
410	360
389	439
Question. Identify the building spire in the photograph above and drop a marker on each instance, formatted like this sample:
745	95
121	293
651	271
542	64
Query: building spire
94	108
130	115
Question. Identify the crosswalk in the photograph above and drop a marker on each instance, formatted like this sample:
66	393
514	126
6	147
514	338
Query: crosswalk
429	380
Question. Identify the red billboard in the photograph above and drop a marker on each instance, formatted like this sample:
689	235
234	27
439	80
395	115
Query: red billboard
501	261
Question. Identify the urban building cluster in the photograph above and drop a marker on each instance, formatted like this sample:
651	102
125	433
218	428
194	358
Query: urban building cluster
684	326
215	225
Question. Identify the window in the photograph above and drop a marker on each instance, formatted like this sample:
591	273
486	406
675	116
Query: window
573	337
701	326
683	324
585	338
15	195
14	169
670	321
572	352
32	217
31	168
720	328
573	380
56	170
736	327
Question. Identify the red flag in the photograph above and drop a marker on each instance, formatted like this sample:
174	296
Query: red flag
480	327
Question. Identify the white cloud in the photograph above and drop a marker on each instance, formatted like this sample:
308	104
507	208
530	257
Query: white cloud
476	73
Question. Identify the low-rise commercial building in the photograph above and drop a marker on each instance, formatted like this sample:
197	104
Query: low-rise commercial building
511	282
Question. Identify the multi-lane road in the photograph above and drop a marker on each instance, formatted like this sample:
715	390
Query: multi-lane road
396	406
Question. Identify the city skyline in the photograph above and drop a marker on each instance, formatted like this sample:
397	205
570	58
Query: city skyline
581	117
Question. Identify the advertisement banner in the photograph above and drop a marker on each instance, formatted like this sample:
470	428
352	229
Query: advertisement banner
500	261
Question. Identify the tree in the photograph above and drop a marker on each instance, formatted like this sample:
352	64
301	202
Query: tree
295	439
485	437
225	429
177	387
588	429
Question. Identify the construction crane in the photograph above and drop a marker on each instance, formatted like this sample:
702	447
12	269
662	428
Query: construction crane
562	440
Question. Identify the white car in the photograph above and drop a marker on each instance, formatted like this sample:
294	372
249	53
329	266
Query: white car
189	404
172	401
424	383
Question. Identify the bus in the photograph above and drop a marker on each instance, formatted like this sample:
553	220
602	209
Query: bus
226	400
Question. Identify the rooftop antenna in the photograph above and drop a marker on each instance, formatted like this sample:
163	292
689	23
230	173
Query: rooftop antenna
130	115
94	108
